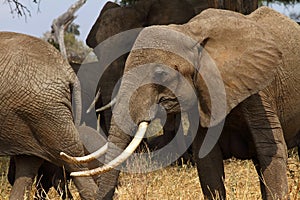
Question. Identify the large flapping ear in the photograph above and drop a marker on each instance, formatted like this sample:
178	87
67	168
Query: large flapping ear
236	51
91	39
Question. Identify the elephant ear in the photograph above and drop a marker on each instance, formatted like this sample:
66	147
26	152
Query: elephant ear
91	39
239	59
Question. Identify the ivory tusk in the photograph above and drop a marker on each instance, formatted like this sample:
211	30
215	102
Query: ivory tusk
98	123
107	106
87	158
185	123
94	102
121	158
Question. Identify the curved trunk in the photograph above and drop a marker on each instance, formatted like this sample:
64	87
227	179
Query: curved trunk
118	140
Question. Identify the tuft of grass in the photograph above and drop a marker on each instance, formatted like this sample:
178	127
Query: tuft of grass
5	187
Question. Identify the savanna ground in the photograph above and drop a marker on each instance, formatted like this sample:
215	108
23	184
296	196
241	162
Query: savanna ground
181	182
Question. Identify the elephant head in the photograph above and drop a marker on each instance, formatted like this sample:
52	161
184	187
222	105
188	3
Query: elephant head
114	19
246	65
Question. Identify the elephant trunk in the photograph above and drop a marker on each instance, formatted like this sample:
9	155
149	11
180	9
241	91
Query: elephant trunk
117	142
118	139
142	110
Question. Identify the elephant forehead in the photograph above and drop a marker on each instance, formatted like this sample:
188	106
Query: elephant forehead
152	58
168	40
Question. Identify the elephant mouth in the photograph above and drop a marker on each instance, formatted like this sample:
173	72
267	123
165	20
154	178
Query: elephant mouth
169	103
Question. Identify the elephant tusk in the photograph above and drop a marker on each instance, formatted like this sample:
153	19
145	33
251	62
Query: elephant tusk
87	158
94	102
98	123
107	106
121	158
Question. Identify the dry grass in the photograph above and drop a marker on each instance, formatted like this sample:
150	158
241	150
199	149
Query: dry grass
176	182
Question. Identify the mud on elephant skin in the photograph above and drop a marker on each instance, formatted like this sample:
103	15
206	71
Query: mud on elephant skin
260	76
37	85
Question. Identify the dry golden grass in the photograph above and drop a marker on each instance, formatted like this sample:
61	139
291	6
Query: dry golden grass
176	182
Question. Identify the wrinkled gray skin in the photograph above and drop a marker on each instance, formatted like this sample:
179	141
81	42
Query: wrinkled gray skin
260	71
49	175
36	115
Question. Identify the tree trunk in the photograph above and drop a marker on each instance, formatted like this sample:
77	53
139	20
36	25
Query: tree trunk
62	22
241	6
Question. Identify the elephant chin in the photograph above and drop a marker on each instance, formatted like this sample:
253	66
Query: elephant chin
142	128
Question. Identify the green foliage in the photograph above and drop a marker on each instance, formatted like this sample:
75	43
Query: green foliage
74	29
76	49
285	2
126	2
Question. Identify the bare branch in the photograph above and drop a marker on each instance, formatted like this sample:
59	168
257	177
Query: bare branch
17	7
62	22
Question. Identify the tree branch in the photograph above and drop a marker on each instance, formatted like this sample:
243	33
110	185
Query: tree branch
17	7
62	22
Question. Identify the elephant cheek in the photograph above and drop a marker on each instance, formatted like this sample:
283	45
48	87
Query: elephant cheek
143	104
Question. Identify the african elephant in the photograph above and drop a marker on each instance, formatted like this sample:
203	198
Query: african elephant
36	111
113	20
48	174
244	71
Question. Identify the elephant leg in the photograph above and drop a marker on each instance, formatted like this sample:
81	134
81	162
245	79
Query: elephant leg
66	140
210	170
44	182
11	171
270	146
60	183
52	175
26	169
298	152
261	182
